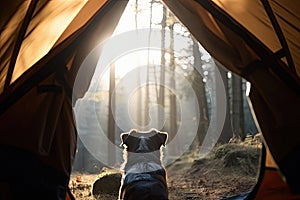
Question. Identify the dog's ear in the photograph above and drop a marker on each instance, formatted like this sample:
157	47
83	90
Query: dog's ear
127	138
124	137
163	137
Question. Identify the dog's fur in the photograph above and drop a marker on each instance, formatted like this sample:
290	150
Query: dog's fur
144	176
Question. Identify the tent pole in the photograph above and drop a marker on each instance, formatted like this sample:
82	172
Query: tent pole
19	41
279	34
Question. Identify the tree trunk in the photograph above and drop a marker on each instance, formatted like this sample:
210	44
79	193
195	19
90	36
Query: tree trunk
111	120
139	96
199	89
173	108
161	96
237	107
227	131
146	113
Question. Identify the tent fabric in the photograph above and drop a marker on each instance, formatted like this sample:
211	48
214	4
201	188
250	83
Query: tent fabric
253	16
46	89
45	26
45	48
41	131
273	187
241	37
10	24
270	184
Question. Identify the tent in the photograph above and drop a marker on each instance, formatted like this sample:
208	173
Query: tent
43	43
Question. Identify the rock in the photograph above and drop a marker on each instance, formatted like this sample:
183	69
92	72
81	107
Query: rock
108	184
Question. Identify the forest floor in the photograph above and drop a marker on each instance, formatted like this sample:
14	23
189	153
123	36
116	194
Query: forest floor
228	170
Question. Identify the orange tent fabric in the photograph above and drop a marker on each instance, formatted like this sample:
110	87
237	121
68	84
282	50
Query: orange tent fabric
36	106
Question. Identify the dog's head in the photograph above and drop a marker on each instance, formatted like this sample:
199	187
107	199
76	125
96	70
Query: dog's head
143	142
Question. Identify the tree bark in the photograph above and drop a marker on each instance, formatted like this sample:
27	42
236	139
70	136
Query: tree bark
199	88
237	107
111	120
161	96
227	131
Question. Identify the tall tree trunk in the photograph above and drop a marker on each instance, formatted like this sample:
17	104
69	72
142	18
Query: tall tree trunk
146	113
199	88
227	131
111	120
161	96
139	96
242	107
173	109
237	107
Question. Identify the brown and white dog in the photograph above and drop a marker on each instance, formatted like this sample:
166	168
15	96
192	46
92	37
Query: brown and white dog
144	176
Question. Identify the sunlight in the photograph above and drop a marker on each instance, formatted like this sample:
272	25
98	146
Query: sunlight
131	20
135	59
248	88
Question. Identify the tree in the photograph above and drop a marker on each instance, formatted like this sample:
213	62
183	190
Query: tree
161	95
237	117
227	131
111	120
146	113
173	106
139	96
199	88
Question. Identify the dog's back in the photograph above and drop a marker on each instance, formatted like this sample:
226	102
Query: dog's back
144	176
145	186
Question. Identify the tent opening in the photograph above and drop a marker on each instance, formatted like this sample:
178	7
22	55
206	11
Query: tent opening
153	73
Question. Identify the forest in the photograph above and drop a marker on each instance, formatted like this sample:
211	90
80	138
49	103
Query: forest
165	80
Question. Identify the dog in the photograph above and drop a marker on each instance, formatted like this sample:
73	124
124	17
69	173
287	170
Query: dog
144	177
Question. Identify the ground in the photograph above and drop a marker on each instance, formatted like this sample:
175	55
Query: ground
228	170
